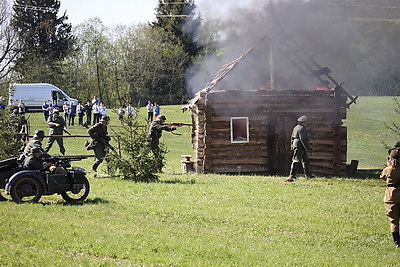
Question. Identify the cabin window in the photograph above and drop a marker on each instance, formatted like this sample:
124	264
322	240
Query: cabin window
239	130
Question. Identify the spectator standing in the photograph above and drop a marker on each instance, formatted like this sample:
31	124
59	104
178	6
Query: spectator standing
71	114
149	108
88	111
102	110
130	110
65	109
80	109
156	110
55	106
96	113
51	110
45	109
121	113
21	107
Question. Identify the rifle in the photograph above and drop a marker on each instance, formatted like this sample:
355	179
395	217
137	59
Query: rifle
65	130
106	143
178	124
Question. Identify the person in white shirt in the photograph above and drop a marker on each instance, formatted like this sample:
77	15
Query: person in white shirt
130	110
80	109
149	107
96	113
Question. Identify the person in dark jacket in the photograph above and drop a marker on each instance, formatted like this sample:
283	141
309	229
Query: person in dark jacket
100	139
300	147
34	160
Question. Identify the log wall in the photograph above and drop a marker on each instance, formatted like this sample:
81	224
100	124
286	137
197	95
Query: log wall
272	115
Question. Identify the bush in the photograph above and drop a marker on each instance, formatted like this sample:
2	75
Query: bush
9	144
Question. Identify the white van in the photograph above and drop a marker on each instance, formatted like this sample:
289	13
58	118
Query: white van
34	95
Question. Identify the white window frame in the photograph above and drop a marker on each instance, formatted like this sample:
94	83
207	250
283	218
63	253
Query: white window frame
247	130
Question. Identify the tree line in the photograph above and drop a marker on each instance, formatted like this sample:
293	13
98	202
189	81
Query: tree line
150	61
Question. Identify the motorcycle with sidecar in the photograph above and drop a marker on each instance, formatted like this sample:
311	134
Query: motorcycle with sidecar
23	185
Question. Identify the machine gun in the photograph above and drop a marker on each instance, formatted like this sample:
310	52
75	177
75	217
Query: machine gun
64	160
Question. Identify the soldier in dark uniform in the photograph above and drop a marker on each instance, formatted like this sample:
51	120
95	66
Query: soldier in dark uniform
391	174
57	126
155	131
36	141
34	160
100	139
300	147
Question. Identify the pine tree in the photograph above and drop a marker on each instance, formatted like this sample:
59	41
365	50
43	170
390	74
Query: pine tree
45	39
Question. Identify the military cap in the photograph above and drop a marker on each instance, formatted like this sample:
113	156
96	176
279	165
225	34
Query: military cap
161	118
302	119
39	134
35	150
56	111
105	118
397	144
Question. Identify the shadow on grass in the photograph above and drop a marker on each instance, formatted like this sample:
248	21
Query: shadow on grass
177	181
88	201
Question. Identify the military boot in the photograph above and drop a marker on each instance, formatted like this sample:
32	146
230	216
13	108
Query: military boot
396	239
291	178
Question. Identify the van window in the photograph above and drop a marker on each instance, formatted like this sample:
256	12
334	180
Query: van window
61	96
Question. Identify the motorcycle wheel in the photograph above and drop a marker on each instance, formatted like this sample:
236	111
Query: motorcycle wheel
77	195
26	189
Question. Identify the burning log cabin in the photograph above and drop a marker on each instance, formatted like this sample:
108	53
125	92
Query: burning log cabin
242	130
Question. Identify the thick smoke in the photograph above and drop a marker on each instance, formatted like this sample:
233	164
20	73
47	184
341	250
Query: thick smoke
332	40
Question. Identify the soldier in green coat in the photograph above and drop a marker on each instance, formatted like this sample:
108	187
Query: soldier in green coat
391	175
100	139
300	148
155	131
57	126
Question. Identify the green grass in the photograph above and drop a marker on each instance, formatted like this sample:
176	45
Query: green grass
213	220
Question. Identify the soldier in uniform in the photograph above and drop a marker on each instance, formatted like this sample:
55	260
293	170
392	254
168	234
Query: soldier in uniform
34	161
100	139
155	131
36	141
391	174
57	126
300	147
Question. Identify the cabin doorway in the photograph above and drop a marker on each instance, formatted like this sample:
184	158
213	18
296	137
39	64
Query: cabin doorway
279	130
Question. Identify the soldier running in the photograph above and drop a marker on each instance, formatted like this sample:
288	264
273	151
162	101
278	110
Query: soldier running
100	139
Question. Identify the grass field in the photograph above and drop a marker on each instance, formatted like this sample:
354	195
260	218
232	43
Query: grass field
219	220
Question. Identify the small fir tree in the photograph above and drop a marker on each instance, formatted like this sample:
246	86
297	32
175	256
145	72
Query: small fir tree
135	160
9	144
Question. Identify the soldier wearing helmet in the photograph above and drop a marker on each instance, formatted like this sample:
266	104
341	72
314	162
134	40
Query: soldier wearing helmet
300	147
36	142
100	139
57	127
34	160
156	129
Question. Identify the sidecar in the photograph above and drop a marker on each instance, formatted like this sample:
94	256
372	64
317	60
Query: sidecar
23	185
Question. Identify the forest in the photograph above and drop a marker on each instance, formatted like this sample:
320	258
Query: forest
169	59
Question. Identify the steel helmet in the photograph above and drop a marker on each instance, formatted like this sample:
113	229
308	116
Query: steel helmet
161	118
105	118
39	134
